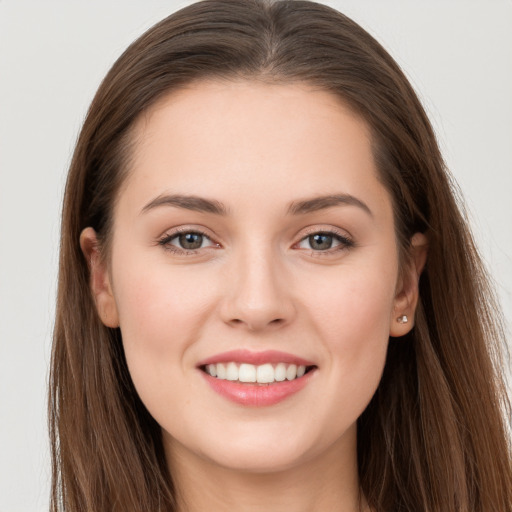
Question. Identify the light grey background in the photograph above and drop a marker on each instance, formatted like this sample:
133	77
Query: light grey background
458	55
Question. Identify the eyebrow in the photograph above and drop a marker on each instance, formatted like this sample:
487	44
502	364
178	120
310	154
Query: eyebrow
201	204
195	203
323	202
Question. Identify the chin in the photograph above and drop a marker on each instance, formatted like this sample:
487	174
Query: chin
258	460
262	450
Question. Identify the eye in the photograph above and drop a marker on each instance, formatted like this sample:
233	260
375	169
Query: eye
325	241
186	241
189	241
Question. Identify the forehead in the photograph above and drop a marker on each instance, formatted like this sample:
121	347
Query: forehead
250	140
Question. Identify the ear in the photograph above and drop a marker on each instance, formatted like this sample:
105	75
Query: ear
99	279
407	292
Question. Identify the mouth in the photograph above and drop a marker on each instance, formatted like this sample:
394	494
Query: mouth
263	374
257	378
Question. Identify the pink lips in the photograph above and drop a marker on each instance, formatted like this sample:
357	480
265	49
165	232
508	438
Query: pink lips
256	358
256	395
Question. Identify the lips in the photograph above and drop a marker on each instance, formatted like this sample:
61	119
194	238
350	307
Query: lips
256	378
256	358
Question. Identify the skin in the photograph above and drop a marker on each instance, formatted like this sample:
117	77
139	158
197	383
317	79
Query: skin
256	283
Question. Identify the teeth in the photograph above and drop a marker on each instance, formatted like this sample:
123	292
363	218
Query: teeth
291	372
247	373
221	371
232	371
262	374
265	374
280	372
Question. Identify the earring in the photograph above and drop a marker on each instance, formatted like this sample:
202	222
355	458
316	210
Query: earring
402	319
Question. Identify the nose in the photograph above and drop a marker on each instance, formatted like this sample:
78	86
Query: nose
257	293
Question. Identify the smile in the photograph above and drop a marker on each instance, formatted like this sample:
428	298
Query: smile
261	374
257	379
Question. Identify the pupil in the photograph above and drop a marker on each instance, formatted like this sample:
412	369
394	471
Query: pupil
191	240
320	242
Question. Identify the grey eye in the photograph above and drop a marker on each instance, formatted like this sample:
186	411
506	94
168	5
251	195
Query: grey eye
190	241
187	241
320	241
325	241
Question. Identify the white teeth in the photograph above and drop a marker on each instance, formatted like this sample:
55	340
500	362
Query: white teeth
232	371
247	373
291	372
280	372
265	374
262	374
221	371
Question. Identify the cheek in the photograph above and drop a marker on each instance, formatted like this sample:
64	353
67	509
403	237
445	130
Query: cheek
158	305
160	314
353	301
352	319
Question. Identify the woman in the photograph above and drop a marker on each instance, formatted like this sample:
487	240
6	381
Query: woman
268	298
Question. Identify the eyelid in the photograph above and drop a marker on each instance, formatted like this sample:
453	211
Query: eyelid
327	229
170	234
346	240
342	236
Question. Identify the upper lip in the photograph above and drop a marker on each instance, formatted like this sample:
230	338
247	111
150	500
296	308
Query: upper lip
255	358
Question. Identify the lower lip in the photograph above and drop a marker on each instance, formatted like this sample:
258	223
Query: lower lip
257	395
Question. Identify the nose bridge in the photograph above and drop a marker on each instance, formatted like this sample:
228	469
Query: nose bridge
258	296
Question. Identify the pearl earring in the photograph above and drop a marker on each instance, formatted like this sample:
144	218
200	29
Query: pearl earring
402	319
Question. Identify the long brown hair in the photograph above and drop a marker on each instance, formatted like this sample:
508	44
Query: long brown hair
434	437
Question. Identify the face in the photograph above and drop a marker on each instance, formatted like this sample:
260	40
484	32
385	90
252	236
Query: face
253	240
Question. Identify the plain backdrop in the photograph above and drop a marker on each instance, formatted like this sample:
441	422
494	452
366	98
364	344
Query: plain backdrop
457	54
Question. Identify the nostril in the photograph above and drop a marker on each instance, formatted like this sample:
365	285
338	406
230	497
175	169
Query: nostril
256	324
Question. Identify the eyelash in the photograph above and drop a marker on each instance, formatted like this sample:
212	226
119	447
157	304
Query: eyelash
345	242
165	241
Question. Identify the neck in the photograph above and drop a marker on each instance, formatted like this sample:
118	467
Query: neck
326	482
